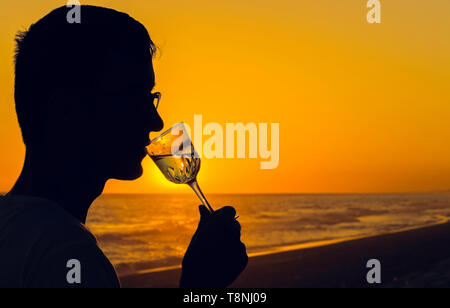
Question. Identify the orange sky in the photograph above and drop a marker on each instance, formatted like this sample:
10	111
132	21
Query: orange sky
362	108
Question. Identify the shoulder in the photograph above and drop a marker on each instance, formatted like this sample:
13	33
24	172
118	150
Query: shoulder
54	242
43	220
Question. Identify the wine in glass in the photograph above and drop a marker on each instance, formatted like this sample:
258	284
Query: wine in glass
175	156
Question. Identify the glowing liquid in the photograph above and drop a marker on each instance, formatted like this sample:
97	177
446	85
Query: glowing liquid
178	169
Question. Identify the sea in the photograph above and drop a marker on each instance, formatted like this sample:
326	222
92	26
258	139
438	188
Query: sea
139	232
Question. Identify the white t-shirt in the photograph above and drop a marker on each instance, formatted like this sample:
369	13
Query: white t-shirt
38	238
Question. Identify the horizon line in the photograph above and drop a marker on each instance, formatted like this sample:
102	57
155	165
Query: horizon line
282	193
288	193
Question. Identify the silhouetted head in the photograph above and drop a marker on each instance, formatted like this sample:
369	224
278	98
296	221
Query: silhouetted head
84	90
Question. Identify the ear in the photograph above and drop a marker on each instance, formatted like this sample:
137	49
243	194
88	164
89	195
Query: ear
66	106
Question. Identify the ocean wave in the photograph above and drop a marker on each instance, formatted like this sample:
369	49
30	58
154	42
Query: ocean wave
134	267
151	231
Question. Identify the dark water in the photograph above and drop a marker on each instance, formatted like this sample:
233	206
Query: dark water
147	231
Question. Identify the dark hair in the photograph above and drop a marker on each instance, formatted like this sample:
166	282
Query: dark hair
55	54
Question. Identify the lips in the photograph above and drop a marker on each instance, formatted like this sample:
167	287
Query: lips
146	144
141	147
143	152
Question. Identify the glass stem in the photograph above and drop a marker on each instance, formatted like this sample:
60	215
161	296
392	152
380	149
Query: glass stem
200	195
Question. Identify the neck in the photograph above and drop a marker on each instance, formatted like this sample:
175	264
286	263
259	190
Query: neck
70	182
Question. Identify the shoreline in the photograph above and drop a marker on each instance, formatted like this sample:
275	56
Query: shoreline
285	265
284	193
299	246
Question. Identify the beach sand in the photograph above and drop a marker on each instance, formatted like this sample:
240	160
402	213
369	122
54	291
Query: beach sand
412	258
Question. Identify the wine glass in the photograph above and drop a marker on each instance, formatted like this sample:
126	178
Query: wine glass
175	156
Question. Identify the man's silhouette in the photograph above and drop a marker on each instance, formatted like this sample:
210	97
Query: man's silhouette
85	108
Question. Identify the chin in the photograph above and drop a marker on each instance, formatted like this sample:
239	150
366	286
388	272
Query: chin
129	174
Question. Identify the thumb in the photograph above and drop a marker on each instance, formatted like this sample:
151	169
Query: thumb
204	213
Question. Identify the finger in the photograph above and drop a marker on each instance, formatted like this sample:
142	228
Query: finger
204	213
230	233
233	228
227	212
225	221
237	226
244	256
238	258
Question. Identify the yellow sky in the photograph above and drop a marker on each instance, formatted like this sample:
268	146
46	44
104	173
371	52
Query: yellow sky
362	108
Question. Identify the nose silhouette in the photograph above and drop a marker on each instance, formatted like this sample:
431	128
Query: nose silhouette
157	124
